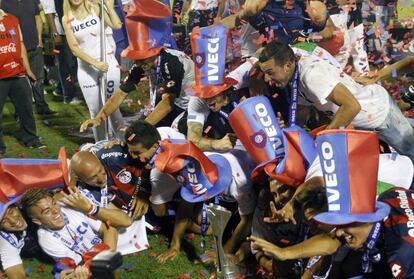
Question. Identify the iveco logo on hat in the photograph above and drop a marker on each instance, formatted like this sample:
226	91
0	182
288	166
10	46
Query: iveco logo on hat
331	181
269	127
197	188
213	58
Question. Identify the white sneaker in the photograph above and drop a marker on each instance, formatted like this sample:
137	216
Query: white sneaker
75	101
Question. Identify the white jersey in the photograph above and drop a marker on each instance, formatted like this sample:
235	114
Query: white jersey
88	35
78	236
241	187
10	247
318	78
49	8
203	4
131	239
393	169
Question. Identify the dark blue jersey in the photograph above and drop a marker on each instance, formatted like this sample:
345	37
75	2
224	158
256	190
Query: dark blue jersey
125	175
286	24
398	232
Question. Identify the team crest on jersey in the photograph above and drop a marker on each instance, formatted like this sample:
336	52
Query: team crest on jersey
124	176
12	32
2	28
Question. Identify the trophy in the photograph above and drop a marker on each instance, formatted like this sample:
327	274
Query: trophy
219	217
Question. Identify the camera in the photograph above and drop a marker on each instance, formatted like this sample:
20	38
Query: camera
104	264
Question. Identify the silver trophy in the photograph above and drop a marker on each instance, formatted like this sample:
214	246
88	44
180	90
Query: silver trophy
219	217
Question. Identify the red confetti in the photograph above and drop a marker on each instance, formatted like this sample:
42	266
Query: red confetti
41	268
184	275
153	254
131	137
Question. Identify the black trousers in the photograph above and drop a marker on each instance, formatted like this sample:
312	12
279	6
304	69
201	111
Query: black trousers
66	74
20	93
36	64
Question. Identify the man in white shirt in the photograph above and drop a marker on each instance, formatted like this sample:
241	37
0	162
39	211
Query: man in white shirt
63	232
316	82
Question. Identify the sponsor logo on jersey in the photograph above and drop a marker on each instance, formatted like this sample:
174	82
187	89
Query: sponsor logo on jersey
8	48
84	25
405	204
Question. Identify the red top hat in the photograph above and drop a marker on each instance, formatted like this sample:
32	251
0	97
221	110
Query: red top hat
19	175
349	161
209	46
149	25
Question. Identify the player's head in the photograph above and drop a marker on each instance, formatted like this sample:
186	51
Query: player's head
13	220
277	61
142	140
310	202
86	167
217	102
282	193
43	209
148	63
317	12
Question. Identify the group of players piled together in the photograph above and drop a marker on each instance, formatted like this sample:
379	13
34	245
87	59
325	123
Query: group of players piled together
287	139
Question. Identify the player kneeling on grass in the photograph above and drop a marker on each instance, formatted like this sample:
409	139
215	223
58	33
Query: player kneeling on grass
63	232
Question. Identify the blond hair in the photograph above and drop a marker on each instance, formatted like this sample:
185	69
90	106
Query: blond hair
67	7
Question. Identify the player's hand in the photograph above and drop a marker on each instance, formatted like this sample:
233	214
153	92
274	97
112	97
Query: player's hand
283	215
111	143
170	254
226	143
81	272
139	207
282	123
31	76
76	200
101	66
94	122
268	248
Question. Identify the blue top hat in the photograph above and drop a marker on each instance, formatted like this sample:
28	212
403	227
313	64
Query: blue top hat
283	154
202	177
349	161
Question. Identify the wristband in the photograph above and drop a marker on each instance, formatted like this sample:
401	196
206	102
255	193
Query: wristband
93	210
96	211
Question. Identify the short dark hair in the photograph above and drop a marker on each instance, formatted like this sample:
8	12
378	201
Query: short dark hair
142	132
33	196
280	52
312	197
